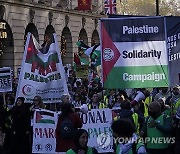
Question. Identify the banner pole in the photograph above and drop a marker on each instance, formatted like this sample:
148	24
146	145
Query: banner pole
4	98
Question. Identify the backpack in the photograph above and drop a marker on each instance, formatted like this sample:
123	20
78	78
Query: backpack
66	128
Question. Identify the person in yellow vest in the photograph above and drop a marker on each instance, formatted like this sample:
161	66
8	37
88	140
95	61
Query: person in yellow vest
128	114
146	102
174	99
138	103
81	140
110	98
125	138
157	129
95	102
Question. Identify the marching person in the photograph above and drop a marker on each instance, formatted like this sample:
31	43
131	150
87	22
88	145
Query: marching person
110	98
37	103
126	139
174	100
68	122
20	128
119	98
129	115
77	101
157	125
164	92
80	141
95	103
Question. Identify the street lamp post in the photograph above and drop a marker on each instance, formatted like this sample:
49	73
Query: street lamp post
157	7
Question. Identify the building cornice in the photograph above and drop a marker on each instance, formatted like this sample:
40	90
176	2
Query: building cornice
53	9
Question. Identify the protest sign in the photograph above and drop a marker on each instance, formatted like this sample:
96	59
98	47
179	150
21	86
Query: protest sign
5	79
97	122
134	52
173	46
41	73
44	125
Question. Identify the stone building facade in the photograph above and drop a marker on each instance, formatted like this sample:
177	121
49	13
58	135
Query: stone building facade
18	17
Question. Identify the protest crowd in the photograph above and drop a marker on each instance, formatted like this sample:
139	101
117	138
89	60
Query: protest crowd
128	121
138	114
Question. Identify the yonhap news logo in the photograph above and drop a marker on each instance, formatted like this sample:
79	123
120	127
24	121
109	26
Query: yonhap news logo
153	140
103	140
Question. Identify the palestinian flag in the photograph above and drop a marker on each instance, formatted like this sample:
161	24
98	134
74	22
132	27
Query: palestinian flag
42	72
134	53
81	47
80	61
35	57
45	117
95	54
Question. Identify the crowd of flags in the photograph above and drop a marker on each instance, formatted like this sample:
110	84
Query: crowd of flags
92	52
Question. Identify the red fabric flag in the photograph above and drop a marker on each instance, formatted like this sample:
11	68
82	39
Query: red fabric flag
84	5
77	59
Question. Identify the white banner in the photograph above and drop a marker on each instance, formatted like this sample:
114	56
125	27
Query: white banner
97	122
5	79
44	125
42	74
